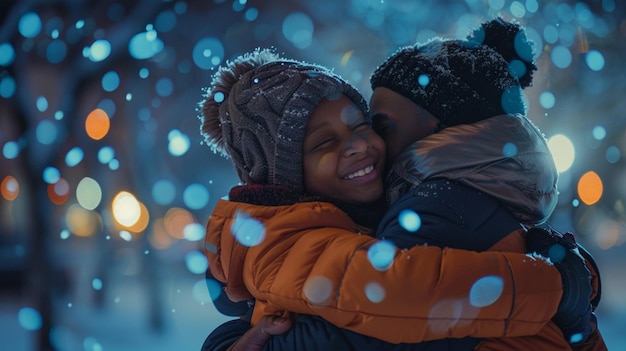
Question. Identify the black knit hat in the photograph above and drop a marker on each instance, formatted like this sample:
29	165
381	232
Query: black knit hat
256	111
464	81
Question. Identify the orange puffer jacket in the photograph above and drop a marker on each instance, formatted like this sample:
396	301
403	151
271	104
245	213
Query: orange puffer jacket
324	270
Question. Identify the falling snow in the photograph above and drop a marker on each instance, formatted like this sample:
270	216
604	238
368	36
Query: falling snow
106	184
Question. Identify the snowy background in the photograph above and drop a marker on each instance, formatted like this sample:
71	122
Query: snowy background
106	185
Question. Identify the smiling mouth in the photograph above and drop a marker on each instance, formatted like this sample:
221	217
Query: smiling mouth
360	173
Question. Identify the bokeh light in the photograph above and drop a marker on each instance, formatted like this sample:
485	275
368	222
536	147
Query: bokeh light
89	193
195	262
590	188
29	25
51	175
108	106
46	132
194	232
126	209
74	156
10	150
106	154
7	86
374	292
562	151
59	191
163	192
595	60
208	53
165	21
214	287
142	222
550	34
159	238
607	234
97	284
201	292
10	188
509	150
485	291
178	143
82	222
556	253
145	45
126	235
97	124
41	103
98	51
176	220
247	230
613	155
110	81
7	54
561	56
196	196
381	255
547	100
29	318
164	87
317	289
298	29
92	344
409	220
598	132
56	51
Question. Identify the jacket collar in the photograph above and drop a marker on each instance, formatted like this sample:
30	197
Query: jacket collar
504	156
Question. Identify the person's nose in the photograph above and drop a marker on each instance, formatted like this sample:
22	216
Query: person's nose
355	144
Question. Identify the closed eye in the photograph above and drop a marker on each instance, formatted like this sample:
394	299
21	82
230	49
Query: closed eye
361	126
322	143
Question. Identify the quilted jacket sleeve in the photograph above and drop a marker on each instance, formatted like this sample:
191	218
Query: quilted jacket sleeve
327	272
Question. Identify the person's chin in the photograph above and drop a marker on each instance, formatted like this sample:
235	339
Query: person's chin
366	195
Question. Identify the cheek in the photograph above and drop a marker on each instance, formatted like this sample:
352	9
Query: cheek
315	169
377	142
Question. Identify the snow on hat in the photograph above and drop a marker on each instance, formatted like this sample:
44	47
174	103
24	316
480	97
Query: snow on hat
464	81
256	111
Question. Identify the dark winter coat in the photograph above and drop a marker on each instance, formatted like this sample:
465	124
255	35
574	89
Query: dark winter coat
455	215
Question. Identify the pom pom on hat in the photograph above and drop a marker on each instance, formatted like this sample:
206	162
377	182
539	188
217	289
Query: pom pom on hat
256	111
464	81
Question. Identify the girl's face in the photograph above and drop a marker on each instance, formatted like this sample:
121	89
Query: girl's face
400	121
344	158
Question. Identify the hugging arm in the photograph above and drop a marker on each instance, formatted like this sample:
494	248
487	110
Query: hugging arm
339	276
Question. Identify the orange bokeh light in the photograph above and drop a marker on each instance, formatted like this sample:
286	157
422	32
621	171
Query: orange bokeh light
160	239
176	219
82	222
9	188
97	124
142	222
59	192
590	188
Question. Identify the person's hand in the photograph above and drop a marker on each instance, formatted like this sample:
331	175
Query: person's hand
256	337
574	315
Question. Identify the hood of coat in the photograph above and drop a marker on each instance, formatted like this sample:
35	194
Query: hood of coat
504	156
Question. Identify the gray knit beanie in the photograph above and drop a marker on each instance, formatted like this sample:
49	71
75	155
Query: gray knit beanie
256	111
464	81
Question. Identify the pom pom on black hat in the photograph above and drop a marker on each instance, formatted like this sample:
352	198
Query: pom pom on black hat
510	41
